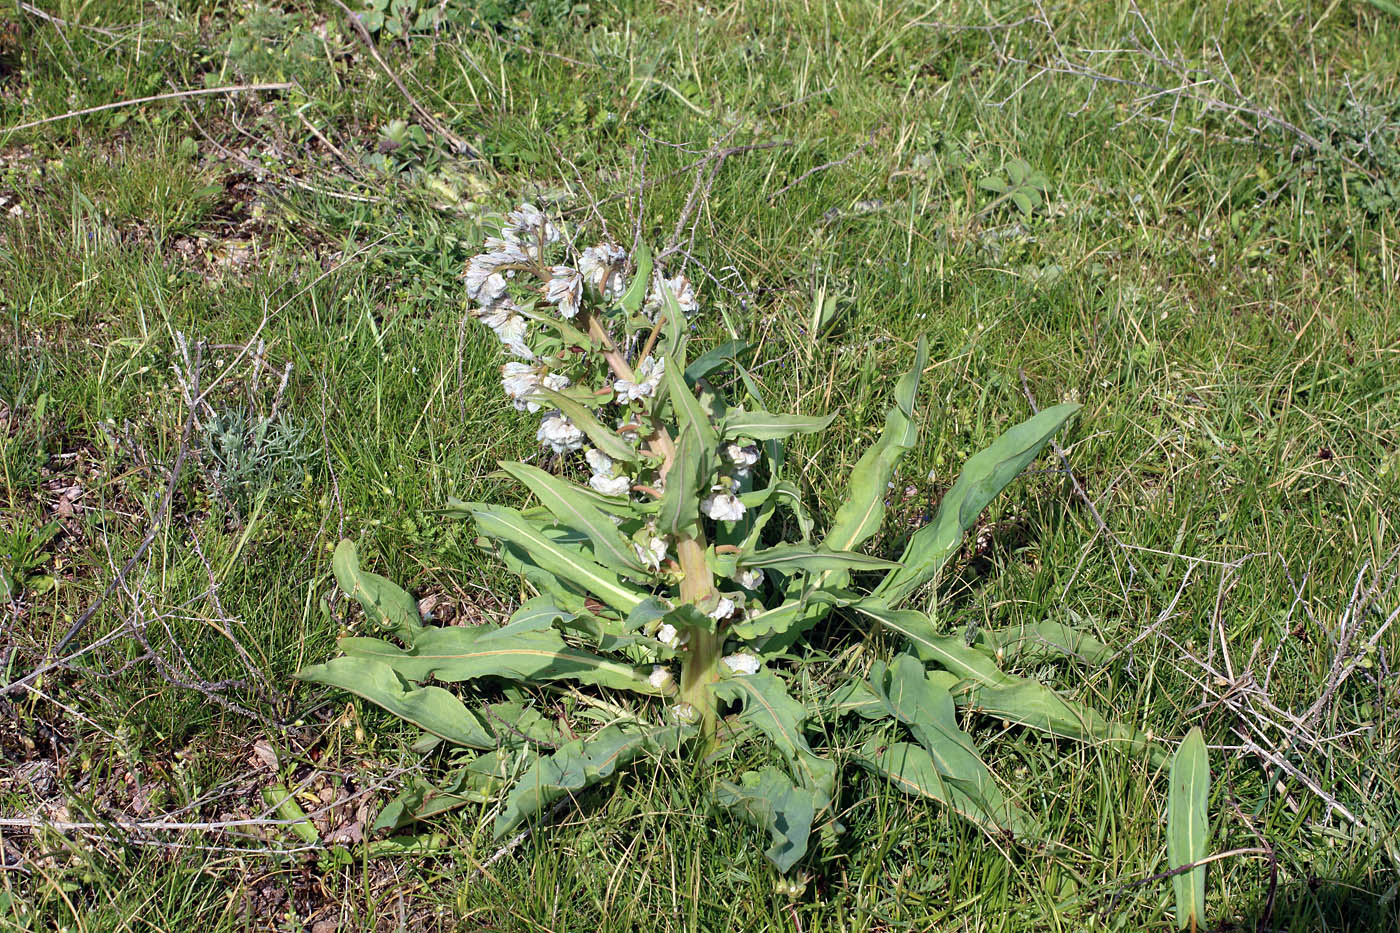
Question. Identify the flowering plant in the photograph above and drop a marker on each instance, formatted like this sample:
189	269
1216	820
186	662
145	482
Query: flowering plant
662	588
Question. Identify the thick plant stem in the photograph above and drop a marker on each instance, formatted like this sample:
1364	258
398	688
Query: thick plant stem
698	671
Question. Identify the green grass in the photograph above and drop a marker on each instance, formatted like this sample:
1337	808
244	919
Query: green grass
1220	295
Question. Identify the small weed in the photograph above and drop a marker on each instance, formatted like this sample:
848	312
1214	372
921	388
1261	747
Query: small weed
21	559
250	456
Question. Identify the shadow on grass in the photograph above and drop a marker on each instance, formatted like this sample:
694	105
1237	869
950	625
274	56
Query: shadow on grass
1323	905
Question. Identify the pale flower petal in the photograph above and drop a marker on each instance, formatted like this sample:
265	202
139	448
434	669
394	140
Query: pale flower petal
611	485
741	664
559	434
722	506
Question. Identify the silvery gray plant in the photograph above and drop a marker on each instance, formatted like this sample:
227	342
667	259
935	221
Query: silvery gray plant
666	605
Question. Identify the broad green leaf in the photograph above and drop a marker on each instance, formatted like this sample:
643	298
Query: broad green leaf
1032	704
771	801
432	709
689	411
577	765
788	558
713	359
565	502
767	707
535	614
636	293
567	595
948	651
861	515
983	476
459	653
479	781
567	563
1038	639
927	710
779	620
386	605
674	322
910	768
680	501
765	426
605	439
1188	830
855	697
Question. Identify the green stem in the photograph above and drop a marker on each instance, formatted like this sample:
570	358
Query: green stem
699	669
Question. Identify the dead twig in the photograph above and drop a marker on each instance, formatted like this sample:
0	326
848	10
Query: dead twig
457	143
824	167
176	95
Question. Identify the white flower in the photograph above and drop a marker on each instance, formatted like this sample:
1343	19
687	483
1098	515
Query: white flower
653	554
668	635
598	461
483	266
684	712
680	289
740	664
603	478
627	430
559	434
565	289
743	458
528	226
722	505
602	268
510	327
723	609
749	579
648	378
488	291
660	677
520	381
611	485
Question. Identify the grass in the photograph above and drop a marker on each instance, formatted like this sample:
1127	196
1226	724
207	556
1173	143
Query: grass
1220	294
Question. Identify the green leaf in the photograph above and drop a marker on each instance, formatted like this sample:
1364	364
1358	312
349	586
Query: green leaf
565	502
1035	640
432	709
927	710
386	605
689	411
563	561
577	765
771	801
680	502
948	651
984	476
457	653
767	707
1188	831
861	515
765	426
1032	704
713	359
855	697
606	440
910	768
787	558
1025	200
636	293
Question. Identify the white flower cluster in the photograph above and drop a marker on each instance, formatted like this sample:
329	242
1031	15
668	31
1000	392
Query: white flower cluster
551	313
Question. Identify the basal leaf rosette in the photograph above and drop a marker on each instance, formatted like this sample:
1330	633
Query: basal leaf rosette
666	600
